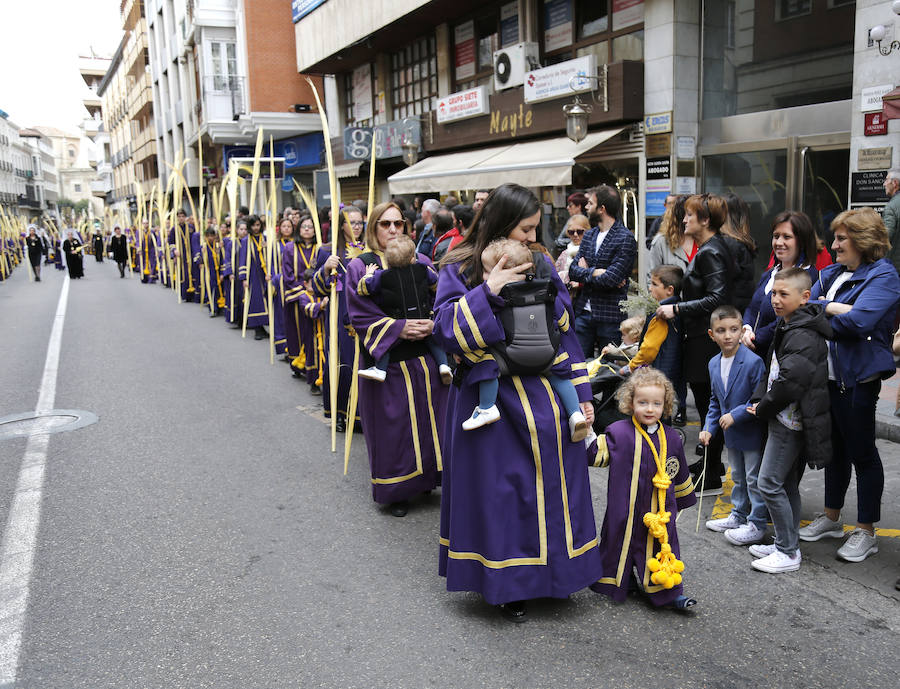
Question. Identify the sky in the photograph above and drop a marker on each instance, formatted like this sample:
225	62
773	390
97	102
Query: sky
42	39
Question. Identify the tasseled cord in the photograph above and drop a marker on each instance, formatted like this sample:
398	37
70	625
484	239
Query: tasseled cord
665	567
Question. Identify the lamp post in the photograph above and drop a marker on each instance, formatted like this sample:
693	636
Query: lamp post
577	112
877	33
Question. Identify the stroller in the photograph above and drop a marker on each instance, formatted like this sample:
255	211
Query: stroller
605	381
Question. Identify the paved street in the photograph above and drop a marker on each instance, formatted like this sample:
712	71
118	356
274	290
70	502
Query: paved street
201	534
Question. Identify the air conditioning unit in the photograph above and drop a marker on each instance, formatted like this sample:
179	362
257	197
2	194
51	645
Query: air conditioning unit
511	64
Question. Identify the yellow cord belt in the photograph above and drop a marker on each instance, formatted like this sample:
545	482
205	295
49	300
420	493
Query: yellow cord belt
665	567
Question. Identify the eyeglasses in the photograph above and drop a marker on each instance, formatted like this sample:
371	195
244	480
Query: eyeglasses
356	223
385	224
574	233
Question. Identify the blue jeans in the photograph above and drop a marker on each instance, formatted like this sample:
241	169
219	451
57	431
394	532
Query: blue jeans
487	393
853	447
745	496
779	483
593	334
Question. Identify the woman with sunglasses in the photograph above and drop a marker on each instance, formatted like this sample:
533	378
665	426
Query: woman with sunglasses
575	229
331	267
403	415
517	521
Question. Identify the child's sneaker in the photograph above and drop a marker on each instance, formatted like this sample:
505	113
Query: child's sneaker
745	534
373	373
589	438
859	546
578	427
446	374
778	562
821	527
481	417
724	524
760	550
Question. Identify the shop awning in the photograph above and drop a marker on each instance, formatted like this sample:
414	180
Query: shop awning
544	163
347	169
890	105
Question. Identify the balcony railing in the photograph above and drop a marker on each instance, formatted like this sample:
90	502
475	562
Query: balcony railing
224	98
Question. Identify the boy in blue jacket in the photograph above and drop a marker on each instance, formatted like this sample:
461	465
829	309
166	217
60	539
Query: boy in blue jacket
734	374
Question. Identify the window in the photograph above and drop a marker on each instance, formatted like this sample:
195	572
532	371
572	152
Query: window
729	24
414	78
77	188
224	66
613	31
788	9
360	85
71	152
474	43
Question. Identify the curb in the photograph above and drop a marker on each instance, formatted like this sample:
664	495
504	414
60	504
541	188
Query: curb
887	427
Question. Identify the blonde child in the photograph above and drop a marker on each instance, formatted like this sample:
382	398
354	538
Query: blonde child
631	337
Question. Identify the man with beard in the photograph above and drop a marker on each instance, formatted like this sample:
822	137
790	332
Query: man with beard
602	265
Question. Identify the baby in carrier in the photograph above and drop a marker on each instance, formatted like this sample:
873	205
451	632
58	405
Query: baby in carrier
405	289
532	338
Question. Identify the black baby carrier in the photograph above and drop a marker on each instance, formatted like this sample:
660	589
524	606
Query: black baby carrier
529	321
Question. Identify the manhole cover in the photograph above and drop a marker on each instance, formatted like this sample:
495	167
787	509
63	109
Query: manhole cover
53	421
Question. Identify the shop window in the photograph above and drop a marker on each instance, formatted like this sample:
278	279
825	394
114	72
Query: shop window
582	27
414	78
789	9
474	42
360	87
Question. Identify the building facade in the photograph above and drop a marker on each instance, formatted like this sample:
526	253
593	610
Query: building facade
769	99
14	164
42	187
220	71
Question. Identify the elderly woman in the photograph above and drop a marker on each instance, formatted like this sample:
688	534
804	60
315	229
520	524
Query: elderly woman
73	248
516	516
402	416
794	245
860	293
331	268
36	251
575	229
707	285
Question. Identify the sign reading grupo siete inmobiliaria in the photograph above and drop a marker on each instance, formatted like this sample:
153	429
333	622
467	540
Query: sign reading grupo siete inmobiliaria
300	8
553	82
462	105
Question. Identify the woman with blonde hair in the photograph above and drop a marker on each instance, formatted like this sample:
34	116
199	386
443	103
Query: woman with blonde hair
671	246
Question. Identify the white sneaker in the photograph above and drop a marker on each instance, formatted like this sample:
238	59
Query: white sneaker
859	546
760	550
446	374
724	524
373	373
777	562
820	527
745	534
481	417
589	438
578	427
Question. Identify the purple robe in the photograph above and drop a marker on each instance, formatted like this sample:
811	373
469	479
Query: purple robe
58	254
234	288
625	542
148	255
256	293
321	283
300	323
278	324
517	520
187	242
211	272
403	416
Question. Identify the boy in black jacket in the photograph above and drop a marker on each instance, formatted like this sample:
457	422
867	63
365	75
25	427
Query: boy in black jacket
793	398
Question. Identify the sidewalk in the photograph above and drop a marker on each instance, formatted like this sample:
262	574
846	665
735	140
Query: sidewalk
887	425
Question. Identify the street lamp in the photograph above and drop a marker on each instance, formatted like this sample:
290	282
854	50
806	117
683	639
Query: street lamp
577	112
877	33
410	150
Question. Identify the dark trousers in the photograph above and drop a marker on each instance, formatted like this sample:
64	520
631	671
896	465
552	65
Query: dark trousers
593	334
853	446
702	393
121	265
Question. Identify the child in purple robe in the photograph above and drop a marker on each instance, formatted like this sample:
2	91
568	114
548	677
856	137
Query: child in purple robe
649	482
406	288
486	412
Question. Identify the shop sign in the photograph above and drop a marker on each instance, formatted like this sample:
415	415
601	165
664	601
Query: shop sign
361	81
464	50
388	139
685	185
659	168
462	105
658	145
868	187
300	8
659	123
553	82
874	158
875	124
686	147
557	24
655	197
509	24
870	98
627	13
511	123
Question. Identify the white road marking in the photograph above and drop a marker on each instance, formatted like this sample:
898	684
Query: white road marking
20	534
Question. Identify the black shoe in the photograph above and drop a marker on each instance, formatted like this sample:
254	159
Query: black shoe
261	334
341	426
897	585
37	279
682	604
711	486
313	389
514	611
680	418
399	509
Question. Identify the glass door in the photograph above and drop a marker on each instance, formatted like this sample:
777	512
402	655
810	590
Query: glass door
822	186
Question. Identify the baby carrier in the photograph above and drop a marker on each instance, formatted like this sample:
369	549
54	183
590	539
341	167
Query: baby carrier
529	321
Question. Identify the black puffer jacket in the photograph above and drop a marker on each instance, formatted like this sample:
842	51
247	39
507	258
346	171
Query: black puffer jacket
802	353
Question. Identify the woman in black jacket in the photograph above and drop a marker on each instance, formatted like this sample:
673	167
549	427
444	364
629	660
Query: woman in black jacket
118	247
736	233
36	251
707	285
